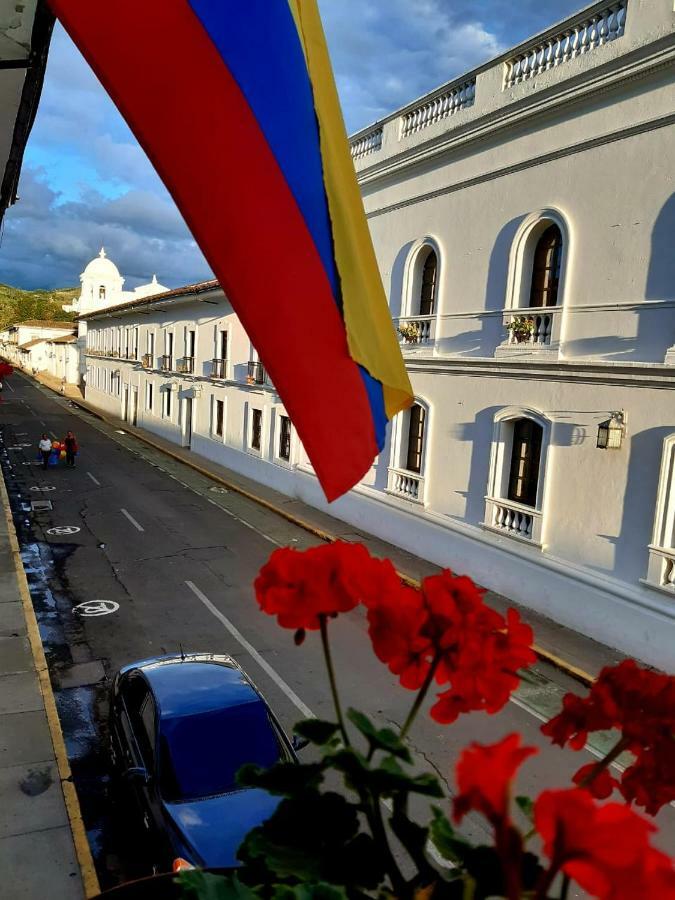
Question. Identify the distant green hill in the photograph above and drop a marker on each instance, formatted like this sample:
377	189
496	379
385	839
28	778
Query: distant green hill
17	305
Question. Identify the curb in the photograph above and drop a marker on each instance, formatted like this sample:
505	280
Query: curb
557	662
82	850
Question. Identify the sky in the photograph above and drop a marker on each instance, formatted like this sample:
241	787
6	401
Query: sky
86	183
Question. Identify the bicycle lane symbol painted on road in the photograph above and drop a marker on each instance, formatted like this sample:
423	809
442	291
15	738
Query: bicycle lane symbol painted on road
63	530
96	608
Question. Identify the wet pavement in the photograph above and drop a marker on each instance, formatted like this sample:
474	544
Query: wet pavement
175	561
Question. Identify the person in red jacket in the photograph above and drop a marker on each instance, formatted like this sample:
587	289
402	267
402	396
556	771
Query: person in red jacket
70	444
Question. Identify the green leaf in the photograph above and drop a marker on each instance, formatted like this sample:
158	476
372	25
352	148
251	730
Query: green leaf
317	731
391	778
444	838
318	891
379	738
198	885
526	806
314	838
284	778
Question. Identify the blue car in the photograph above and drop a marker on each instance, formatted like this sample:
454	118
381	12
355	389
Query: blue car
180	728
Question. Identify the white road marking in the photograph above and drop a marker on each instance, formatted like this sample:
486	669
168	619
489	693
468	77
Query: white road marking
63	529
250	649
8	385
53	434
95	480
132	520
96	608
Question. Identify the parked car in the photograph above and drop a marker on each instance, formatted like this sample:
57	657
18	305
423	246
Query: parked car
180	728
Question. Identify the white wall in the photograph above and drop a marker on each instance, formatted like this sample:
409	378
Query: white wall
589	145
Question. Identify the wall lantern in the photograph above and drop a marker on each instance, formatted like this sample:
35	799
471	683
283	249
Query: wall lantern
610	433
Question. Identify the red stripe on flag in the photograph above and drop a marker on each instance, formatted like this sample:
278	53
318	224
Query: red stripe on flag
175	91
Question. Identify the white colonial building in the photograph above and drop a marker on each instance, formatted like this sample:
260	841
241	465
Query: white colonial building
102	286
41	346
524	221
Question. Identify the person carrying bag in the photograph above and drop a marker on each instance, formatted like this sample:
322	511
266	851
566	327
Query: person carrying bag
71	448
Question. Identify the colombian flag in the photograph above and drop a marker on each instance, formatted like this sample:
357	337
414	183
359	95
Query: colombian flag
235	104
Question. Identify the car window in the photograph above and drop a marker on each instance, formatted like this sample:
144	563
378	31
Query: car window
201	754
141	711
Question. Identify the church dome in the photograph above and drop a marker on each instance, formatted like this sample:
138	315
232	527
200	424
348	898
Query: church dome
101	269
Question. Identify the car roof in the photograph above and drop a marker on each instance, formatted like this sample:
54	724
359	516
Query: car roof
189	687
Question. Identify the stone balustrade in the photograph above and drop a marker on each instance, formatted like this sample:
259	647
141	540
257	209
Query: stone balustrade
579	37
415	330
513	519
367	143
533	328
402	483
440	107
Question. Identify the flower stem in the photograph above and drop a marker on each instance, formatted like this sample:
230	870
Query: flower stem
604	763
421	694
331	678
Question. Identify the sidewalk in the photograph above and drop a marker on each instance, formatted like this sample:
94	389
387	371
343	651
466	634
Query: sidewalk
43	846
569	651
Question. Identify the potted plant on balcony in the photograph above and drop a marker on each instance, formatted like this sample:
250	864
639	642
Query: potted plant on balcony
410	332
521	328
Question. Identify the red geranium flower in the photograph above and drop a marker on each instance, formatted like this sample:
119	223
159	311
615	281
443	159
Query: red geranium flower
484	775
641	705
605	849
396	631
447	625
299	586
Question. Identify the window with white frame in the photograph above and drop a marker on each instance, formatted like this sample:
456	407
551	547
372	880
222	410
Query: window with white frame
284	448
536	283
661	566
167	402
149	396
409	439
515	496
218	418
255	430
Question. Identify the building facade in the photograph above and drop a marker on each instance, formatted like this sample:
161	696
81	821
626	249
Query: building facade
41	346
523	218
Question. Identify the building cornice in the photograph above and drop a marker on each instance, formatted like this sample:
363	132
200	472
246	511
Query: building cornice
625	374
637	64
542	159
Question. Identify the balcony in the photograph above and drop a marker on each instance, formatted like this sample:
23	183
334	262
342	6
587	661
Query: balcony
146	360
513	519
186	365
256	373
166	363
579	37
405	484
416	331
219	368
451	101
367	143
531	330
661	572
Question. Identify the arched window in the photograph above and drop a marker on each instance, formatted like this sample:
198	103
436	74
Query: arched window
428	284
101	293
546	268
524	466
415	439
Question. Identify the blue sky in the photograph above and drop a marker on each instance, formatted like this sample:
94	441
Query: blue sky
86	182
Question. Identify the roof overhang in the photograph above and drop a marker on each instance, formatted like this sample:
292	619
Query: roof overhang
25	33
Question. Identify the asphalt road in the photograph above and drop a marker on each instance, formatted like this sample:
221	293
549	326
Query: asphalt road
177	556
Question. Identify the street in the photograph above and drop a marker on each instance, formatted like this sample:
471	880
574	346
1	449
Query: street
164	560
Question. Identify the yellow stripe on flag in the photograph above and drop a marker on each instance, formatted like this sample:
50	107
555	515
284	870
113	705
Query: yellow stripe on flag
370	330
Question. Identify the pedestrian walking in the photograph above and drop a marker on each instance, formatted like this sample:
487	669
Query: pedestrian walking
70	444
45	446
